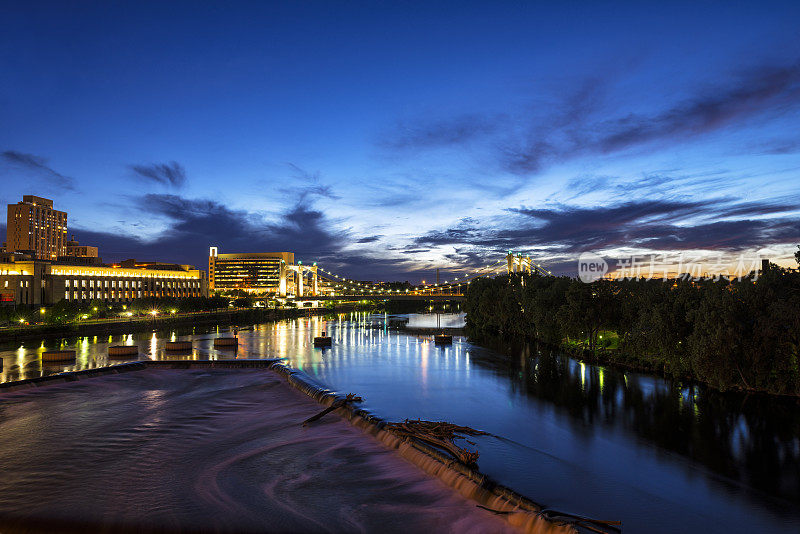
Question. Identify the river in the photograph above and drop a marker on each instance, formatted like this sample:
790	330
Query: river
659	455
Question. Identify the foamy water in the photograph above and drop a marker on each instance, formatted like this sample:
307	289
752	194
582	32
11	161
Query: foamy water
206	450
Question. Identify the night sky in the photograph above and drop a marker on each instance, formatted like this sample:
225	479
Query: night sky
384	140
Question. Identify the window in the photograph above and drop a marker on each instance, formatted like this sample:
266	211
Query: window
66	295
66	283
91	283
83	283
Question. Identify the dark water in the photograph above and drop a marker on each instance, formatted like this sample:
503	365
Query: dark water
660	456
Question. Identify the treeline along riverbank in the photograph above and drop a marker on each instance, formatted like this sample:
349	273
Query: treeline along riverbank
737	334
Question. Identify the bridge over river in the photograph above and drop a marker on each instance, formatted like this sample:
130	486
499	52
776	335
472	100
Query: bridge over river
401	297
312	282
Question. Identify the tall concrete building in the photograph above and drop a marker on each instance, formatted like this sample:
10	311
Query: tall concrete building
34	226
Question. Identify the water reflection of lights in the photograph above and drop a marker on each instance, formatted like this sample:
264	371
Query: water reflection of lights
583	375
600	377
424	352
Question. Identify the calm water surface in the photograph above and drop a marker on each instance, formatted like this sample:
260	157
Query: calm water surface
659	455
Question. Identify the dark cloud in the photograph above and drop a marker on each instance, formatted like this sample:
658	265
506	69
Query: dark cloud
654	224
38	166
749	209
369	239
195	224
170	174
719	236
583	122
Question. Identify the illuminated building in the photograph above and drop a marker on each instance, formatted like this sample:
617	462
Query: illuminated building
76	250
258	272
33	225
37	282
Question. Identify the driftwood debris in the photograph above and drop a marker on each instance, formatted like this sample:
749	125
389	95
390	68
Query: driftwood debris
351	397
440	434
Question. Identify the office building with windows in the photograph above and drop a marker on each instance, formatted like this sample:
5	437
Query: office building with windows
258	272
34	226
76	250
32	282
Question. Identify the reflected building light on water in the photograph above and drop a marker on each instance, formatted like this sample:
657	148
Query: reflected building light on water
600	376
424	350
583	376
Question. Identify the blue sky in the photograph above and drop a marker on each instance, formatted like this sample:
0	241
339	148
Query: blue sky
387	139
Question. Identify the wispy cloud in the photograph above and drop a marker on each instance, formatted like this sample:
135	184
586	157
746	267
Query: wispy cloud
308	185
38	166
583	123
749	93
441	132
171	174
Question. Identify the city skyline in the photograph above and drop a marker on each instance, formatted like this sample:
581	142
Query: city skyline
387	142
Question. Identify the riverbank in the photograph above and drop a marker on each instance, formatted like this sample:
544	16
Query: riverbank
730	335
612	358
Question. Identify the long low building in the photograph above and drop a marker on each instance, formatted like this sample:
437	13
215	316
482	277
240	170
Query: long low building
43	283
